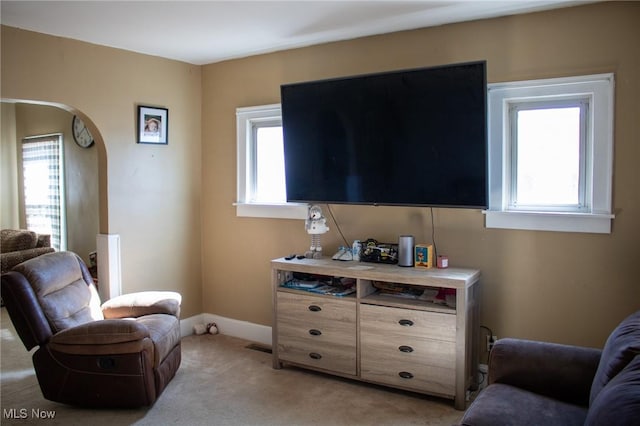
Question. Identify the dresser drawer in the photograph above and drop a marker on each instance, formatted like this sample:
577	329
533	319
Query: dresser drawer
330	357
403	351
317	331
315	308
394	323
410	349
420	377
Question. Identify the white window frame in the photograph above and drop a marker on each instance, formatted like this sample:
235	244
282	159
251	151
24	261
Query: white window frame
596	215
247	119
584	200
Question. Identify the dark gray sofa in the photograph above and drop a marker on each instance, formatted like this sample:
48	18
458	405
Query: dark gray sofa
539	383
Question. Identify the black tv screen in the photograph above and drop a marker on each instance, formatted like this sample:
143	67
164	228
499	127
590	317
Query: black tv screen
411	137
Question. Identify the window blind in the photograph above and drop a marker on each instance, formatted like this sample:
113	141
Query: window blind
42	165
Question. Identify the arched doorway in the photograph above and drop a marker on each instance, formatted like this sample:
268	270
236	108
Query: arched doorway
84	171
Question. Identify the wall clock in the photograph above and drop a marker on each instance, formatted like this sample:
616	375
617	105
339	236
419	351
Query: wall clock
81	134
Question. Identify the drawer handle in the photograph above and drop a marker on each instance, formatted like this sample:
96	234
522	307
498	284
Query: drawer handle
315	308
405	375
405	322
406	349
315	355
315	332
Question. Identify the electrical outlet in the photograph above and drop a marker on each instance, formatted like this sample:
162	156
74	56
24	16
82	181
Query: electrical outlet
490	341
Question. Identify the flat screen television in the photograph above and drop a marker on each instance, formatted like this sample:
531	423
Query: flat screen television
413	137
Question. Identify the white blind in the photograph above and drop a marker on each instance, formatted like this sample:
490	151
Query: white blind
42	165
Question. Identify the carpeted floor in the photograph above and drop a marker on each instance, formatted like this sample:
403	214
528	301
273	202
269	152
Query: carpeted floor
223	382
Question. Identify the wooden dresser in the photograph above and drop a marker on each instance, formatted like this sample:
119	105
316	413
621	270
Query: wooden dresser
407	343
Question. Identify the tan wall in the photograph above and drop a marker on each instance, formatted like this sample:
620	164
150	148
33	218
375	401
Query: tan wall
153	192
9	216
563	287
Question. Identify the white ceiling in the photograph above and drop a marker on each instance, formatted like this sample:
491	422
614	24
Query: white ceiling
202	32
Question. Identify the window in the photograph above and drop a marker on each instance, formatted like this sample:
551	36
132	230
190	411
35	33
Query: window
43	180
548	155
551	154
261	178
268	185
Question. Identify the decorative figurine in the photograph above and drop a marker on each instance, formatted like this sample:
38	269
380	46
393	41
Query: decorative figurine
315	225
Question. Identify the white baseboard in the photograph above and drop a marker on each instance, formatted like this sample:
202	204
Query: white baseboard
230	327
186	324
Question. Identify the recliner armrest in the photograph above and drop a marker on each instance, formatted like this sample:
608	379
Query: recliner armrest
134	305
562	372
116	336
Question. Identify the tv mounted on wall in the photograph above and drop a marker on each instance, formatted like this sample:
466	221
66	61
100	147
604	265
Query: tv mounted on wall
414	137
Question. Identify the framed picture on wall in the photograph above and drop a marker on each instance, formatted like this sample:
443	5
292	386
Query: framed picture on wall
153	125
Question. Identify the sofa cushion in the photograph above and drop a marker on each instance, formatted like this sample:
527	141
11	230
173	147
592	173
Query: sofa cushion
504	405
15	240
621	347
618	403
44	240
13	258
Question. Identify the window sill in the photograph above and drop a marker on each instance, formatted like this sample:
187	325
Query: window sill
598	223
273	211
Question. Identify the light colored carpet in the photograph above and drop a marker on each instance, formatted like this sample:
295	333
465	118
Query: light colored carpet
222	382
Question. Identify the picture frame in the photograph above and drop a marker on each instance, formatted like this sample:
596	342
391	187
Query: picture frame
153	125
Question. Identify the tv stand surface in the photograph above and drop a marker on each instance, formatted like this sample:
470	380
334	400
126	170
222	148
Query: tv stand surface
404	343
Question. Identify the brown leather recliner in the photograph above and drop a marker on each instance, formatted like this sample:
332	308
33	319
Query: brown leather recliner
122	353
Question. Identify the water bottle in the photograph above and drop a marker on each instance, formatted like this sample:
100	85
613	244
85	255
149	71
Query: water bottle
355	250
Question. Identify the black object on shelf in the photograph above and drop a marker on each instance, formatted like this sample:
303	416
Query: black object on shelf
374	252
